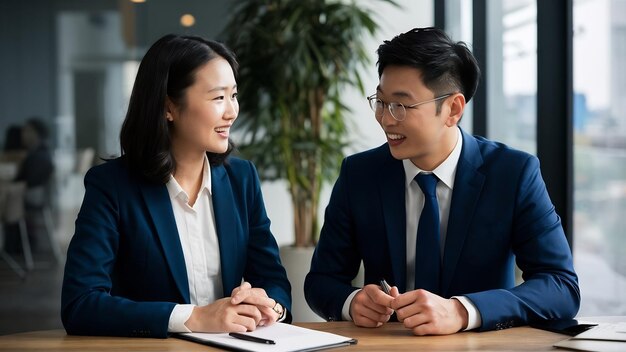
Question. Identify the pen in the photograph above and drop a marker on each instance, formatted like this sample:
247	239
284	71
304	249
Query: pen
251	338
385	286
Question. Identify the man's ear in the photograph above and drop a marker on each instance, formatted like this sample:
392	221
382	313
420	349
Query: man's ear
457	106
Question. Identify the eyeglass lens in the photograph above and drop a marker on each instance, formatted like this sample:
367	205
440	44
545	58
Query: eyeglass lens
397	110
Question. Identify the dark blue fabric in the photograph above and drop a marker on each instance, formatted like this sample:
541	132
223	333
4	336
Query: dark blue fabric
427	252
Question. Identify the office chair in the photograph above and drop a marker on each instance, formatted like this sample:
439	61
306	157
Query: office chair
12	212
37	202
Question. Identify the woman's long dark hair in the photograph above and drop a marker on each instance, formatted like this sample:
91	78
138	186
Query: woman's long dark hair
167	70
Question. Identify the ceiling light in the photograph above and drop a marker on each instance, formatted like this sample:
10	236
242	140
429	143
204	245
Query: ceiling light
187	20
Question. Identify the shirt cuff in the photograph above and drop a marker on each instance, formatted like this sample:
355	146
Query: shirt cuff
283	317
473	315
345	311
180	315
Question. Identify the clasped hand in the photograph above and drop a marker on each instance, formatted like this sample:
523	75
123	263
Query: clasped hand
244	310
423	312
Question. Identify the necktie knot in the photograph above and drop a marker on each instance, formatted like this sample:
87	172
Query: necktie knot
428	184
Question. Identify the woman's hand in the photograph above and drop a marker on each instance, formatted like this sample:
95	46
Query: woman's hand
224	316
246	294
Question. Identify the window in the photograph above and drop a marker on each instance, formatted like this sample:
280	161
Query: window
512	72
600	155
458	23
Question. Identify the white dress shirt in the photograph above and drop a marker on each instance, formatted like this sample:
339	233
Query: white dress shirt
414	203
198	238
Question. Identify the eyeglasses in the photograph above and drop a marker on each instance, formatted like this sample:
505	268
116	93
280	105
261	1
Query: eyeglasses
397	110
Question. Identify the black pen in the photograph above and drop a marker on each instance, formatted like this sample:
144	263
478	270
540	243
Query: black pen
251	338
385	286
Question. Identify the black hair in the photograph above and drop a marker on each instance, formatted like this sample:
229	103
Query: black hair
13	138
40	127
446	66
166	71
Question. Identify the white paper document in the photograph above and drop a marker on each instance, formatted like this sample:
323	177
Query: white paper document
605	337
605	331
592	345
287	337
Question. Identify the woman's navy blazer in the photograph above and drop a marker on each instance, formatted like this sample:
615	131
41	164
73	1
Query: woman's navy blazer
125	269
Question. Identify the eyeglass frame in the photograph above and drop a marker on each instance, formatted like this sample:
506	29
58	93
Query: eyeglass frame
412	106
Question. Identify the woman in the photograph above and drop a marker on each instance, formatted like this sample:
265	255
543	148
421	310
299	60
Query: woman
174	225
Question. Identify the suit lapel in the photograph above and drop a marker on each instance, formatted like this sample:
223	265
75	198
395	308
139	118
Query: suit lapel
392	189
467	187
160	208
227	225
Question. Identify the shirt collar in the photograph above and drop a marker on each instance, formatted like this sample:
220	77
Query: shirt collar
176	191
206	175
445	171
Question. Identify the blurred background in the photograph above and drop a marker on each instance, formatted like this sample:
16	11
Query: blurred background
67	69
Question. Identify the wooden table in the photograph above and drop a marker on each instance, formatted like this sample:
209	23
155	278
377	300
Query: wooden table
390	337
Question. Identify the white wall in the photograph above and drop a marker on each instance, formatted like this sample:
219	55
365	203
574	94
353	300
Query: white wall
92	42
366	133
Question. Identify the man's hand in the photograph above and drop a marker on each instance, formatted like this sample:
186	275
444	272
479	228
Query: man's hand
224	316
428	314
246	294
370	307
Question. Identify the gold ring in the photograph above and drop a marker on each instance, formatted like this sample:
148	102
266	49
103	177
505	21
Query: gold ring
275	308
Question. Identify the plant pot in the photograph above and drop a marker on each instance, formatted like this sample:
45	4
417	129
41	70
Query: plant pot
297	262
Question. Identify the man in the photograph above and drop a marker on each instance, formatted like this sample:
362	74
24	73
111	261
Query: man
440	214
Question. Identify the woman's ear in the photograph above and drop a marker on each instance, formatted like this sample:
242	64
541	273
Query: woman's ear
457	106
169	109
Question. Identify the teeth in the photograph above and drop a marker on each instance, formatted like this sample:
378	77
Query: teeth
221	129
394	136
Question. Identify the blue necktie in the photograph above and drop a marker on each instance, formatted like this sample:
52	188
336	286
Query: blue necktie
427	253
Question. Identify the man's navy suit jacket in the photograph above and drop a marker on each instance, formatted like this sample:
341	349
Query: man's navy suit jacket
125	269
500	213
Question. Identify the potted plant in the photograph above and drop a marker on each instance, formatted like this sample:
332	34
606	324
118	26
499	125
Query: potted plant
295	58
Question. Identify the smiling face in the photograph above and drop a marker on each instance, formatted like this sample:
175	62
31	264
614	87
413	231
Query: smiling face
424	137
201	122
